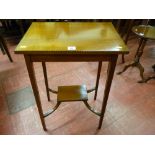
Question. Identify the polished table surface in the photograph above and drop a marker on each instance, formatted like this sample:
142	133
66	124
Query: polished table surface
71	38
144	31
71	42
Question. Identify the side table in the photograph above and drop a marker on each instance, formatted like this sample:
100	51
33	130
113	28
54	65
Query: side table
145	33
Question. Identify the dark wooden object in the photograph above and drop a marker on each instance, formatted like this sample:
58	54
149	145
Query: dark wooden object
145	33
4	48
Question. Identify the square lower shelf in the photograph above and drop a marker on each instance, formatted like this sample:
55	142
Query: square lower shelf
72	93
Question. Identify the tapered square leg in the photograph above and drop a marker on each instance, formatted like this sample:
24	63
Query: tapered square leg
30	69
111	70
46	80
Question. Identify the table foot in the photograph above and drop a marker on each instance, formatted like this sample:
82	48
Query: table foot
126	67
99	126
147	79
139	66
142	81
45	129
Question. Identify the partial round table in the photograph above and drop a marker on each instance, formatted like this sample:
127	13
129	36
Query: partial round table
144	32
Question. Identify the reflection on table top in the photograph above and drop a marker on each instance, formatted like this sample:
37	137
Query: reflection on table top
71	38
144	31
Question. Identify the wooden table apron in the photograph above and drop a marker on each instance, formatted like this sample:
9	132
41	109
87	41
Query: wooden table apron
31	58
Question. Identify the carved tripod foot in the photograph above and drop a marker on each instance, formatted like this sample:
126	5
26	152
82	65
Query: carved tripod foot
126	67
149	78
139	66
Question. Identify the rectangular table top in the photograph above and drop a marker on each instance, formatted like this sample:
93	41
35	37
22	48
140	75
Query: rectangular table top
71	38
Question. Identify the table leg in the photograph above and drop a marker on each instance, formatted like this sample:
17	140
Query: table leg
30	69
21	26
2	49
98	78
141	70
141	43
153	67
5	48
129	25
123	59
8	54
46	80
111	69
118	25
